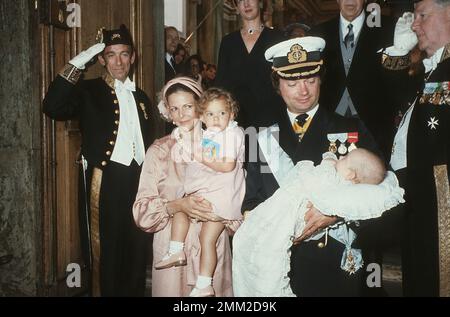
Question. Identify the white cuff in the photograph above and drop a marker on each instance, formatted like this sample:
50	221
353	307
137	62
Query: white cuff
395	51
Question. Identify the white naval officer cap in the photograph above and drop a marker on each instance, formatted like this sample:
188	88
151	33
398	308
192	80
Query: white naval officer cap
297	58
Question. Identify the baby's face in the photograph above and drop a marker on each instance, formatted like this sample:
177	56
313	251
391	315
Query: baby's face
343	168
217	115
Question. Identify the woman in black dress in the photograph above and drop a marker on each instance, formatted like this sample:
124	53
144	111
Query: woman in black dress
243	70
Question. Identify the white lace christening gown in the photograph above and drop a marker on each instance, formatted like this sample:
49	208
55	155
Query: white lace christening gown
261	246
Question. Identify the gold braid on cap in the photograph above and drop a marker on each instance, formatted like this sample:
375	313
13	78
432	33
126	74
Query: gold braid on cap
300	74
299	65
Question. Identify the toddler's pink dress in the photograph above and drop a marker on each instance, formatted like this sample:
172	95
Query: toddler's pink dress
224	190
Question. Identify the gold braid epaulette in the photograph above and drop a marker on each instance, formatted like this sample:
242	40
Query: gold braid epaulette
70	73
446	53
395	62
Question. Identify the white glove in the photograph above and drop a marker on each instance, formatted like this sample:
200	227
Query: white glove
85	56
404	37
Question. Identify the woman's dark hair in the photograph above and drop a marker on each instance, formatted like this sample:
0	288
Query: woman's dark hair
187	71
209	66
236	2
262	8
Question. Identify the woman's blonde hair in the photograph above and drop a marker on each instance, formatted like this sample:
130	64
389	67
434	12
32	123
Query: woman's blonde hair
214	94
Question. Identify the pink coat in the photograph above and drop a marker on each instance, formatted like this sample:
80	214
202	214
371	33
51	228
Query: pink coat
162	181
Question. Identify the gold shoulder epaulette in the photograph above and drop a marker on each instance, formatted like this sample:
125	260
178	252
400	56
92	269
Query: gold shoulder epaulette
70	73
395	62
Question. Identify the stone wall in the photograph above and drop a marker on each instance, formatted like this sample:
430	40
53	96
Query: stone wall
20	154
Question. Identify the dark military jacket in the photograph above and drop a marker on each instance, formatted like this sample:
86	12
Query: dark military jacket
95	105
314	271
426	262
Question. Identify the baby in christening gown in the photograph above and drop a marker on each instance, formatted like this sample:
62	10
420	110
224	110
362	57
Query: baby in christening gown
356	187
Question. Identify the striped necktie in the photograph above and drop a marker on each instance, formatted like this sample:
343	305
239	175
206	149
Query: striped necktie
350	37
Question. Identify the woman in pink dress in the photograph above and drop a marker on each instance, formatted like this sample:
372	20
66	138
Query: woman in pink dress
214	172
161	195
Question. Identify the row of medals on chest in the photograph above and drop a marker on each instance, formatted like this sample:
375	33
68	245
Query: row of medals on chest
436	94
343	138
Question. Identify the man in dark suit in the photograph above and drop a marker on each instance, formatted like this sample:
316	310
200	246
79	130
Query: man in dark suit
116	123
305	132
172	38
353	85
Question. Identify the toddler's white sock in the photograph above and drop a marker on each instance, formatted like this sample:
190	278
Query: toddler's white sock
175	246
203	281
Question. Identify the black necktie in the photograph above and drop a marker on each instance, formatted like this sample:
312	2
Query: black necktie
300	121
172	61
350	37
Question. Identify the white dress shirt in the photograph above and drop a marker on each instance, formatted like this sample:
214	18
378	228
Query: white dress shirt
129	144
310	113
432	62
357	25
169	60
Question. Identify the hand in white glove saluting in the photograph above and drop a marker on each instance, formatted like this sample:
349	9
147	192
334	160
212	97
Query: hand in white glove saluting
85	56
404	37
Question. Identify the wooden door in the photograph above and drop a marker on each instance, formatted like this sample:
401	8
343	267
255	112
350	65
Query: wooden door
61	140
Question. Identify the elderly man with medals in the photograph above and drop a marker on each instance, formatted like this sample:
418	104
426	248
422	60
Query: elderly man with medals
320	264
116	128
421	151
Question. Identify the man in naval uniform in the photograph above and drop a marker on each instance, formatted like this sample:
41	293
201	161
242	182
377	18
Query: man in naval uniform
116	127
421	151
305	132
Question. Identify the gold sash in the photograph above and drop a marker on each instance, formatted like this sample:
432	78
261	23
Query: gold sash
95	231
443	205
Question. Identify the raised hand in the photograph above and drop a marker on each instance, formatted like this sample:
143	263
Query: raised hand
85	56
404	37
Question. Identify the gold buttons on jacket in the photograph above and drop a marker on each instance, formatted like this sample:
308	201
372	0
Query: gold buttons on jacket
116	122
115	132
116	111
113	92
320	245
112	142
108	153
116	101
104	163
